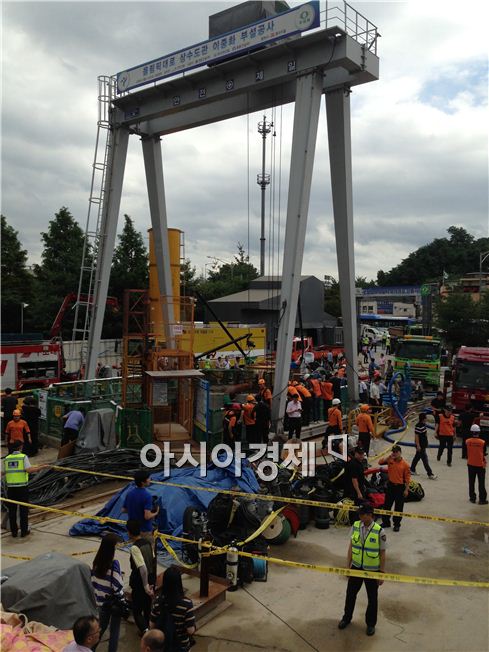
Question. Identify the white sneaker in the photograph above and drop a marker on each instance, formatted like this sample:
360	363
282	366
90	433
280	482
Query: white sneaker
432	477
413	473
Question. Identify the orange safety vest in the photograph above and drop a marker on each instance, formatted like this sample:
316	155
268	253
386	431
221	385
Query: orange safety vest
303	391
364	423
316	387
335	418
249	417
446	428
327	390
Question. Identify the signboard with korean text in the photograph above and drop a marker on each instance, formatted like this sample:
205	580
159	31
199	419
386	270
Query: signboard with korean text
201	402
250	37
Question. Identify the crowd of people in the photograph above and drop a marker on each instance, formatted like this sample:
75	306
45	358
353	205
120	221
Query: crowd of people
162	613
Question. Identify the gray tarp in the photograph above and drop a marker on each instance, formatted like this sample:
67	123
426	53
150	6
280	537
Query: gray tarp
52	589
97	432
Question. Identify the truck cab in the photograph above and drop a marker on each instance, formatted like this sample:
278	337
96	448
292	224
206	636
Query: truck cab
423	355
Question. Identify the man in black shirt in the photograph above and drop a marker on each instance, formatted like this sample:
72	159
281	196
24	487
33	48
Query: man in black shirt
263	422
336	382
355	480
438	404
464	422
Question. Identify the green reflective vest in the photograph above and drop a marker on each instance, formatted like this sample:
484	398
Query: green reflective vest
366	555
15	471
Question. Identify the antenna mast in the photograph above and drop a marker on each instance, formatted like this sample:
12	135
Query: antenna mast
263	180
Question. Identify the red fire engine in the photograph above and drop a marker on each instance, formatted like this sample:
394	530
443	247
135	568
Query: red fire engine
470	382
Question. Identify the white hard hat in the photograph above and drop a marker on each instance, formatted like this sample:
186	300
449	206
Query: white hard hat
306	376
336	401
475	428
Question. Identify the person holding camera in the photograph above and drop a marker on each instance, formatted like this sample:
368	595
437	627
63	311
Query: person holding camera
139	504
108	589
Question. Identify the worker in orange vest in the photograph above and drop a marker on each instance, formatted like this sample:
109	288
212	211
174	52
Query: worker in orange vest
315	388
306	397
327	394
365	428
249	418
335	424
476	464
264	392
17	430
445	433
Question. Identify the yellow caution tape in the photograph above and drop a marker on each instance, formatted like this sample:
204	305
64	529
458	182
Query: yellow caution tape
347	572
169	549
4	554
351	572
283	499
63	512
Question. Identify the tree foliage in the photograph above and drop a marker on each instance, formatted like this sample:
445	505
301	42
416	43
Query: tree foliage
16	279
463	320
59	271
229	278
454	256
130	261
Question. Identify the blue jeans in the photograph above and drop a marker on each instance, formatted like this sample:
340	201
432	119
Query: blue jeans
106	617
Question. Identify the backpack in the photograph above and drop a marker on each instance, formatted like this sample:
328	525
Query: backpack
416	492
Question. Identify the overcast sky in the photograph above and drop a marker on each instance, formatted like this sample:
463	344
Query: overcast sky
419	133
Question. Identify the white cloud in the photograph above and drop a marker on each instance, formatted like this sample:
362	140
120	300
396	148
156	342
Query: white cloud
419	134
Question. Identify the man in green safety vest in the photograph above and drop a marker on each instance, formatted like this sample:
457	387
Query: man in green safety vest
17	469
366	552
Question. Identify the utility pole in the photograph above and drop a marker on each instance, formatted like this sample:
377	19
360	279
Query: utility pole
263	180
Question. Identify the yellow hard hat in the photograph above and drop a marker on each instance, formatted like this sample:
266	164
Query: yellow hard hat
250	397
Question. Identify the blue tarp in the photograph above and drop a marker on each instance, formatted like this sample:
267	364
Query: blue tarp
171	500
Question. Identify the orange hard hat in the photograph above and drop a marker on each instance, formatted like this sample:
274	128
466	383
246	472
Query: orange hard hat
365	408
250	397
16	413
261	381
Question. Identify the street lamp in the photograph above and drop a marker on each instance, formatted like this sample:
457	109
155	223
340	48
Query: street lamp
22	306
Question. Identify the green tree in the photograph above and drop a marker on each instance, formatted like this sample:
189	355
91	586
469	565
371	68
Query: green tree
229	278
361	282
332	301
455	256
59	271
130	261
129	271
463	321
16	279
189	281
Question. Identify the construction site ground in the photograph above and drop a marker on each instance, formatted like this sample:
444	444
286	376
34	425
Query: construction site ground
298	610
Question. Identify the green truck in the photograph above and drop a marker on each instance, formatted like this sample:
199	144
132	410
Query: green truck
423	354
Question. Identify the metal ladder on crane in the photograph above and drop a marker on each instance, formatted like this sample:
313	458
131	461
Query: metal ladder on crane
103	145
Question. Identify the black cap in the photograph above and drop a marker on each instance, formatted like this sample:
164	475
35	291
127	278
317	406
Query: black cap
365	509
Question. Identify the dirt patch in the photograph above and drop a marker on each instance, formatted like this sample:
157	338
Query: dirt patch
404	611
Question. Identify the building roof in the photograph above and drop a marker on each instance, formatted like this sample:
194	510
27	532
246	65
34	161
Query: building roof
249	296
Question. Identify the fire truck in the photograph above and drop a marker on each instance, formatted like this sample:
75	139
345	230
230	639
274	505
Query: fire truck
470	381
29	362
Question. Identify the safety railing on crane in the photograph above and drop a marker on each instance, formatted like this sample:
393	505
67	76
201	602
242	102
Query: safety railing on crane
351	21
